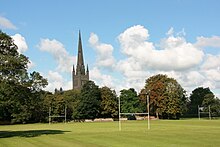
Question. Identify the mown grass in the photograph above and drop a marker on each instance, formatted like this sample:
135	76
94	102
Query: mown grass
170	133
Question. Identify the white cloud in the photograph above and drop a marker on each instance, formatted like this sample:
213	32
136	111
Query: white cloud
59	53
101	79
132	38
5	23
213	41
20	41
170	31
211	62
175	56
174	53
104	52
56	80
213	74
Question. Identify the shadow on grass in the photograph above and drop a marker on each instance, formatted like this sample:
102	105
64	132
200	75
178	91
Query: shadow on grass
29	133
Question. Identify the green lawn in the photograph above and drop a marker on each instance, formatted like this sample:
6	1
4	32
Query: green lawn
170	133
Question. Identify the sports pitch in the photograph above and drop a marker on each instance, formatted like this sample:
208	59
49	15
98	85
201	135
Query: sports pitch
170	133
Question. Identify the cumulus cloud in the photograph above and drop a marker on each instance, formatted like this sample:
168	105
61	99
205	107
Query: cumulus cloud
104	51
211	62
174	53
213	74
175	56
56	80
20	41
100	78
7	24
59	53
213	41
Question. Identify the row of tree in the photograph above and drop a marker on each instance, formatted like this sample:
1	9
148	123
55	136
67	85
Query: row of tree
22	99
168	100
89	103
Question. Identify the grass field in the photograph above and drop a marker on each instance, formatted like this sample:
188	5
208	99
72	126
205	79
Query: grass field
170	133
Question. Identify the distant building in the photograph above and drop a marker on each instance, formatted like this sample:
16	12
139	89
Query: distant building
80	76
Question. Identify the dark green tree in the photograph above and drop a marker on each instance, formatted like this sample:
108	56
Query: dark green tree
55	104
72	98
13	66
196	99
213	103
89	104
109	102
19	92
130	102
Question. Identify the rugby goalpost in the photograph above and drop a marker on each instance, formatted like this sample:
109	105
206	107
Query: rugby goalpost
199	113
119	115
54	116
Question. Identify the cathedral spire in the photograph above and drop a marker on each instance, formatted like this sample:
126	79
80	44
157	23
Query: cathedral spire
80	52
81	75
80	68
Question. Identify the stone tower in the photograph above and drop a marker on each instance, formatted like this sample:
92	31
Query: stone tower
80	76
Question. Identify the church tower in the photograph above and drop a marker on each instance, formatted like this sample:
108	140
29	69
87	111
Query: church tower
80	76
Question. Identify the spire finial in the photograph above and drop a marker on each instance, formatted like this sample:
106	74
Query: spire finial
87	68
79	35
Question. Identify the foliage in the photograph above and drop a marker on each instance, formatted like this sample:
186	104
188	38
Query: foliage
60	101
167	97
89	105
72	98
196	99
13	66
130	102
109	102
20	94
213	103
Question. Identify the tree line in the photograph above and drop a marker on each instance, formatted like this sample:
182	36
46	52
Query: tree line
23	100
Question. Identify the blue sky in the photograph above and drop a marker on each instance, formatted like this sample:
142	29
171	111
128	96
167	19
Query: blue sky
124	42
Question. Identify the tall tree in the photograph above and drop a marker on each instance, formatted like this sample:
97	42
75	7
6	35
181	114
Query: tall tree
89	105
13	66
196	99
109	102
167	97
213	103
18	91
130	102
72	99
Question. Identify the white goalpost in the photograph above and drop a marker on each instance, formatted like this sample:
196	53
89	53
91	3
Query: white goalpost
54	116
201	109
119	115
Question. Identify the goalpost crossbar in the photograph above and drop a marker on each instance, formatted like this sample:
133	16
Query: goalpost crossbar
133	113
58	116
119	113
201	108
